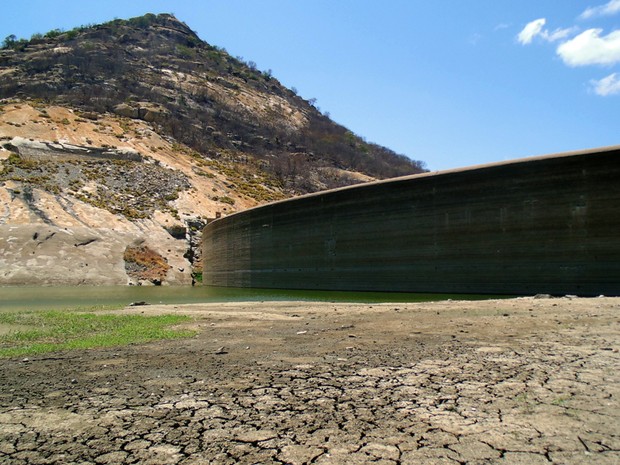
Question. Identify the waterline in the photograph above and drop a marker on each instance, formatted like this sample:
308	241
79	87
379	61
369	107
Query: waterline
37	298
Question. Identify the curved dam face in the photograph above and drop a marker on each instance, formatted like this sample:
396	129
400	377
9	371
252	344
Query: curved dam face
539	225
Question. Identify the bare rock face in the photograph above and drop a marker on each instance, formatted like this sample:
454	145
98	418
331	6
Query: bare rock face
146	111
48	239
49	255
123	109
78	195
42	150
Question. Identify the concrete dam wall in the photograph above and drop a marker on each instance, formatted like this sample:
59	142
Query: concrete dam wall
537	225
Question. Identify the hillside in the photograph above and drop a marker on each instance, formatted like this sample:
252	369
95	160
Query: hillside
119	141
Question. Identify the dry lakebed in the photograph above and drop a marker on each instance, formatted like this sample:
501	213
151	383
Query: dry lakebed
515	381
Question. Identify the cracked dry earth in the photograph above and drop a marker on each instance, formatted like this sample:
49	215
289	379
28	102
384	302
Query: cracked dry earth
519	381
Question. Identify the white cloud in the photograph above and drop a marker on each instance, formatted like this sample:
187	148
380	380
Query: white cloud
531	30
610	8
475	38
558	34
609	85
590	48
535	29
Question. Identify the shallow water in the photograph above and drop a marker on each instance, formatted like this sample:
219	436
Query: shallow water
23	298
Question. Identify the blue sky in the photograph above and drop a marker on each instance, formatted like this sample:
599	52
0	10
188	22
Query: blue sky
450	82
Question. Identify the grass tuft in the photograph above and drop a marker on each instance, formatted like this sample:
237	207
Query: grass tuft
43	332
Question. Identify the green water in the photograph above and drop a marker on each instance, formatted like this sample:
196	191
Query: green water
22	298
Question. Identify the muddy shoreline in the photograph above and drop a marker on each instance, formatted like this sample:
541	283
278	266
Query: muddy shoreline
517	381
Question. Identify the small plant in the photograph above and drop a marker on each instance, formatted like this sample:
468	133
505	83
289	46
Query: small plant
561	401
53	33
185	52
225	199
200	172
52	188
76	184
9	41
197	276
18	162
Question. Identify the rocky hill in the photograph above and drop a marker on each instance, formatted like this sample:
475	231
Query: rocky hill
120	141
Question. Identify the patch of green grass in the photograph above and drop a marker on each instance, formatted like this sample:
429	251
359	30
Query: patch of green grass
197	275
561	401
55	330
522	397
225	199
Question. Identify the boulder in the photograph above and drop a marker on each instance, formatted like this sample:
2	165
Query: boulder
127	111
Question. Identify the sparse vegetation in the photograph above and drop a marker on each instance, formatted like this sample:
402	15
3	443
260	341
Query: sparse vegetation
224	199
128	188
43	332
209	111
143	263
15	161
197	276
53	34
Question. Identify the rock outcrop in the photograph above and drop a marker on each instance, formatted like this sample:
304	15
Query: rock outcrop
31	149
89	251
75	197
146	111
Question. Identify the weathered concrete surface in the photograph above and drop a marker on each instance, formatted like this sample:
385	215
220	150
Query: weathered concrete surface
539	225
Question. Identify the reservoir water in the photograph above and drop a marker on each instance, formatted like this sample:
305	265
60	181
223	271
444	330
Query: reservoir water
24	298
